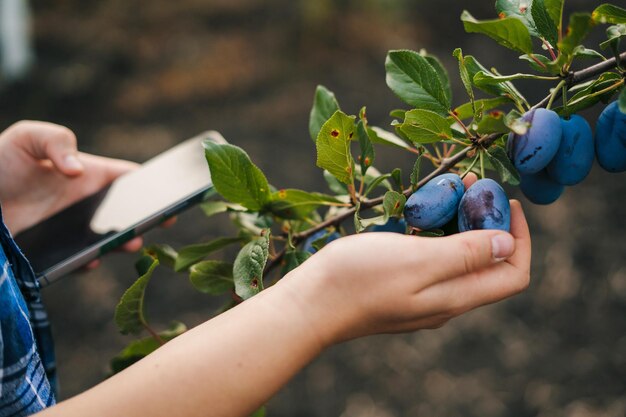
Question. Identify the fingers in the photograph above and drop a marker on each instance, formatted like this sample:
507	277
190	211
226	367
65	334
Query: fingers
133	245
169	222
44	140
469	180
467	252
108	169
490	284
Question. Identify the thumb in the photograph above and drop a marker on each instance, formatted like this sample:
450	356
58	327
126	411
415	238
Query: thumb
472	251
56	143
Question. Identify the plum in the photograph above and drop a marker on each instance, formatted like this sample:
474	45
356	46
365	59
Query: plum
435	203
574	159
611	139
394	225
308	244
484	206
540	188
533	151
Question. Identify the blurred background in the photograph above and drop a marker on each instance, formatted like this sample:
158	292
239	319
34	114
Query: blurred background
133	78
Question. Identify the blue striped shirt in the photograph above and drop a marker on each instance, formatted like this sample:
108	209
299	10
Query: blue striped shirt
27	368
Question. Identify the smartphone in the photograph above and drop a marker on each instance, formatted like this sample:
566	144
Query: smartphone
132	204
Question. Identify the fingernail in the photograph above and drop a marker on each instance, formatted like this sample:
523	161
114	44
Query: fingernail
502	246
72	162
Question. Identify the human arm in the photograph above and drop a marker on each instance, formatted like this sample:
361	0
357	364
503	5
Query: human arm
356	286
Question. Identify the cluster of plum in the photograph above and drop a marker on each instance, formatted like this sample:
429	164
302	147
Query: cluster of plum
435	205
483	206
553	153
556	152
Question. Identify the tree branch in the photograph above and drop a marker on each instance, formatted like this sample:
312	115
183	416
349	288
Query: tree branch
484	142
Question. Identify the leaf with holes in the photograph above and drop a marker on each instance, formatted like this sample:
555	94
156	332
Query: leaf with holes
366	159
333	146
249	265
393	204
608	13
324	106
423	126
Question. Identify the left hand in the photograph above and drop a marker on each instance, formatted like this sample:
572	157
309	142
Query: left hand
42	172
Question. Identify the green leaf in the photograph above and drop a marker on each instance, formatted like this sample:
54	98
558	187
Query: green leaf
298	204
212	277
579	26
396	176
423	126
614	35
384	137
465	77
547	65
139	349
293	259
249	265
235	177
191	254
414	80
380	180
585	98
514	8
608	13
465	111
509	32
393	204
441	72
582	52
415	173
492	122
503	89
545	24
430	233
368	155
333	146
501	162
211	208
334	184
555	11
482	78
259	413
324	106
129	314
622	101
164	253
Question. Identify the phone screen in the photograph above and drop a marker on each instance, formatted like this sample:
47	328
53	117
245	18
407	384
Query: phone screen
133	203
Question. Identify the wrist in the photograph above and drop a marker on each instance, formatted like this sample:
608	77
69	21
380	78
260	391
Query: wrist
307	291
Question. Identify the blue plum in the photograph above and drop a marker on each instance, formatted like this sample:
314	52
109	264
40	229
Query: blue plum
611	139
308	244
434	204
539	188
533	151
574	159
484	206
393	225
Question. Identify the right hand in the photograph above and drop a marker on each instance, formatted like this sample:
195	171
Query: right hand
386	282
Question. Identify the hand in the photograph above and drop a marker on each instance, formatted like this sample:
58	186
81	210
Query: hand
42	172
385	282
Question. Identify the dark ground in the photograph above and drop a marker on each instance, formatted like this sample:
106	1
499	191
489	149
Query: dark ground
133	78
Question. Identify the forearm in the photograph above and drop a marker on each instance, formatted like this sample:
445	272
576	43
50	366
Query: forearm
228	366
